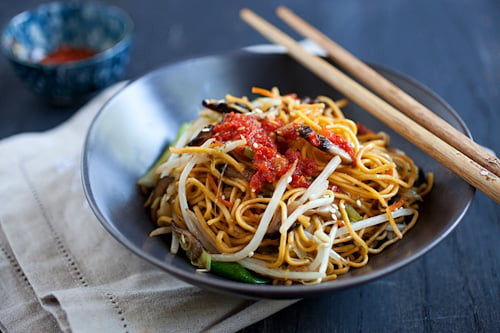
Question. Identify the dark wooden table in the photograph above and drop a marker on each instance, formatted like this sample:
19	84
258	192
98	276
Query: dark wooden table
451	46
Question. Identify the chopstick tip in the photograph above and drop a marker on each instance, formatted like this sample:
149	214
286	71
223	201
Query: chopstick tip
281	9
245	12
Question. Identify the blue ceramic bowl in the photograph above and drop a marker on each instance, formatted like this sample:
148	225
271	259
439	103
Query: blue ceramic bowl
33	35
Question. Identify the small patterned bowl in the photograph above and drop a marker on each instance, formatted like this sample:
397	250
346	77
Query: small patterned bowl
33	35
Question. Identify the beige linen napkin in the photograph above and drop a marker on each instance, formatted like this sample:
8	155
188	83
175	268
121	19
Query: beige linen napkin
61	271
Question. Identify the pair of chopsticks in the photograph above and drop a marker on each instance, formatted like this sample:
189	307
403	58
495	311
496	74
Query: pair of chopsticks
420	126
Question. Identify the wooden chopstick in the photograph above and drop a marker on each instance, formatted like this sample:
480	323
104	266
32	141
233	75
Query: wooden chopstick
400	99
459	163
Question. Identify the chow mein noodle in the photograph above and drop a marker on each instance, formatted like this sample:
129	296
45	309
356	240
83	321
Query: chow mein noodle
286	187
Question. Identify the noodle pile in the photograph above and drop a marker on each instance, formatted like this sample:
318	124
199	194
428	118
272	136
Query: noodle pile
289	188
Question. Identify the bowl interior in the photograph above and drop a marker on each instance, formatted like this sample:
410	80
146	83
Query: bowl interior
33	34
133	128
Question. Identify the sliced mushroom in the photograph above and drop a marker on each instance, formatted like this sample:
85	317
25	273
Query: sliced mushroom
192	246
223	107
205	134
157	193
322	143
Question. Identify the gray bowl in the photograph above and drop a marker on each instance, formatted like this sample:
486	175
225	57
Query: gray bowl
32	35
133	127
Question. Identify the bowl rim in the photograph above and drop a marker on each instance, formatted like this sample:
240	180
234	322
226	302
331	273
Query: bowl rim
241	289
121	44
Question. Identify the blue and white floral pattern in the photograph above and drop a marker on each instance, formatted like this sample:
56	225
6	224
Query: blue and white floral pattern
32	35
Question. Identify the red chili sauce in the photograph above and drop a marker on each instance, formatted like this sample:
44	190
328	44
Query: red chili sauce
67	54
339	141
271	160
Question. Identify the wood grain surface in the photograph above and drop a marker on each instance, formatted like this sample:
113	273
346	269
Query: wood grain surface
451	46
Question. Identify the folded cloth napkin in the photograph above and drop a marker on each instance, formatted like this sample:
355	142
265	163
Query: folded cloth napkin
61	271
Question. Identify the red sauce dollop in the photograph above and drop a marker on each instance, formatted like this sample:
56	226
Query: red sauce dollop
270	160
67	54
305	169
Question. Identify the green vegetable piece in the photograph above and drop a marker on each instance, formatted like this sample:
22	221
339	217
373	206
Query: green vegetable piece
150	178
236	271
203	261
248	152
353	214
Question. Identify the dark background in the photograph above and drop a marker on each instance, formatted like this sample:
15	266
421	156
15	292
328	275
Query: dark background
451	46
